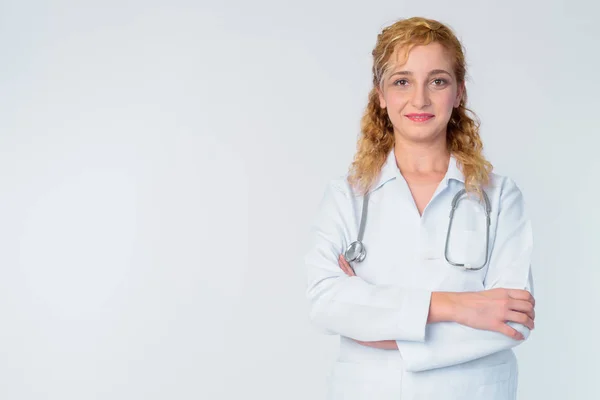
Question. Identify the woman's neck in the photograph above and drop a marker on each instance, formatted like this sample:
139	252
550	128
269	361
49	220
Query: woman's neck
422	158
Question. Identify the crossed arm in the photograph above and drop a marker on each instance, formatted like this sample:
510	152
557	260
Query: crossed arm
502	306
430	329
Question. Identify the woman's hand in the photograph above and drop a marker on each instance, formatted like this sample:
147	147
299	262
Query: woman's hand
491	309
381	344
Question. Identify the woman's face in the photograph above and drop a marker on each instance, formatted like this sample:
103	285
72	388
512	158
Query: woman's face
424	85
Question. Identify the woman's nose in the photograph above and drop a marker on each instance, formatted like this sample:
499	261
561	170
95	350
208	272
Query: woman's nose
420	97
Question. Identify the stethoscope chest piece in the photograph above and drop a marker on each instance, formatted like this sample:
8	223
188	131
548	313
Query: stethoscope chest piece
355	252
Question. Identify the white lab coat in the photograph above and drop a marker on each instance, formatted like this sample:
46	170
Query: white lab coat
390	296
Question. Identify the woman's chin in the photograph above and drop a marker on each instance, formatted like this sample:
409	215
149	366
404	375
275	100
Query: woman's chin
421	136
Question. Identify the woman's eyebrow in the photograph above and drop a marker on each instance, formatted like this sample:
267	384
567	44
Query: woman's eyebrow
432	72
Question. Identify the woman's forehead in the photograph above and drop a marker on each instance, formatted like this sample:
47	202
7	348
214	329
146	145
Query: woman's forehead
421	58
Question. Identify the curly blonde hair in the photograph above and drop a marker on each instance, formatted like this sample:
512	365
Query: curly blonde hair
377	132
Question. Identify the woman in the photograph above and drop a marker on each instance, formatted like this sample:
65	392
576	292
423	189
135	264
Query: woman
414	323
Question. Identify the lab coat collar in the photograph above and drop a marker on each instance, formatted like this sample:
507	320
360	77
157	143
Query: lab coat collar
390	171
454	171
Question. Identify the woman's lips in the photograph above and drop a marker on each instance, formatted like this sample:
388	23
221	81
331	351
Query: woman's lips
419	117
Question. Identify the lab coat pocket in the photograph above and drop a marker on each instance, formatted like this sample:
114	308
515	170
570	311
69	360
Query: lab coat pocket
357	381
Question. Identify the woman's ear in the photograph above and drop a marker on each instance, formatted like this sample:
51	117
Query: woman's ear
459	94
382	102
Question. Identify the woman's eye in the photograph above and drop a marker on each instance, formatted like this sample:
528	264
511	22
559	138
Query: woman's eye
437	82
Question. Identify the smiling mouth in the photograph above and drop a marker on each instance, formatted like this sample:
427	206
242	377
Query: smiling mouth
419	117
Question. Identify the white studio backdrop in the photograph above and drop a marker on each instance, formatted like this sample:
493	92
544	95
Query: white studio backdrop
160	163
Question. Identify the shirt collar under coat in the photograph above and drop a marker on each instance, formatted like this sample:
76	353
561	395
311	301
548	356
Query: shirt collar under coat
390	171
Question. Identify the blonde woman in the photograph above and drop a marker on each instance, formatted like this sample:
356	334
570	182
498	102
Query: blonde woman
429	309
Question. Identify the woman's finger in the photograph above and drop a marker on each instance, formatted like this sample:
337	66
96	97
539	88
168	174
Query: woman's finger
520	318
348	267
382	344
345	266
523	306
519	294
342	265
510	332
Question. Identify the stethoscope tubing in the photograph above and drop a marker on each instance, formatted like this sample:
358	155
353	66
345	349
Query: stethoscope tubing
356	251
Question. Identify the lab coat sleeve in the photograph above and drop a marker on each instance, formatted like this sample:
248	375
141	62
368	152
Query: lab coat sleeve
350	306
450	343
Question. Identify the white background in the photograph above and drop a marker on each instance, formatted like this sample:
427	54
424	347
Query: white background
160	163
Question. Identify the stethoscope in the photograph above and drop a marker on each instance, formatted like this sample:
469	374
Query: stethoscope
356	250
